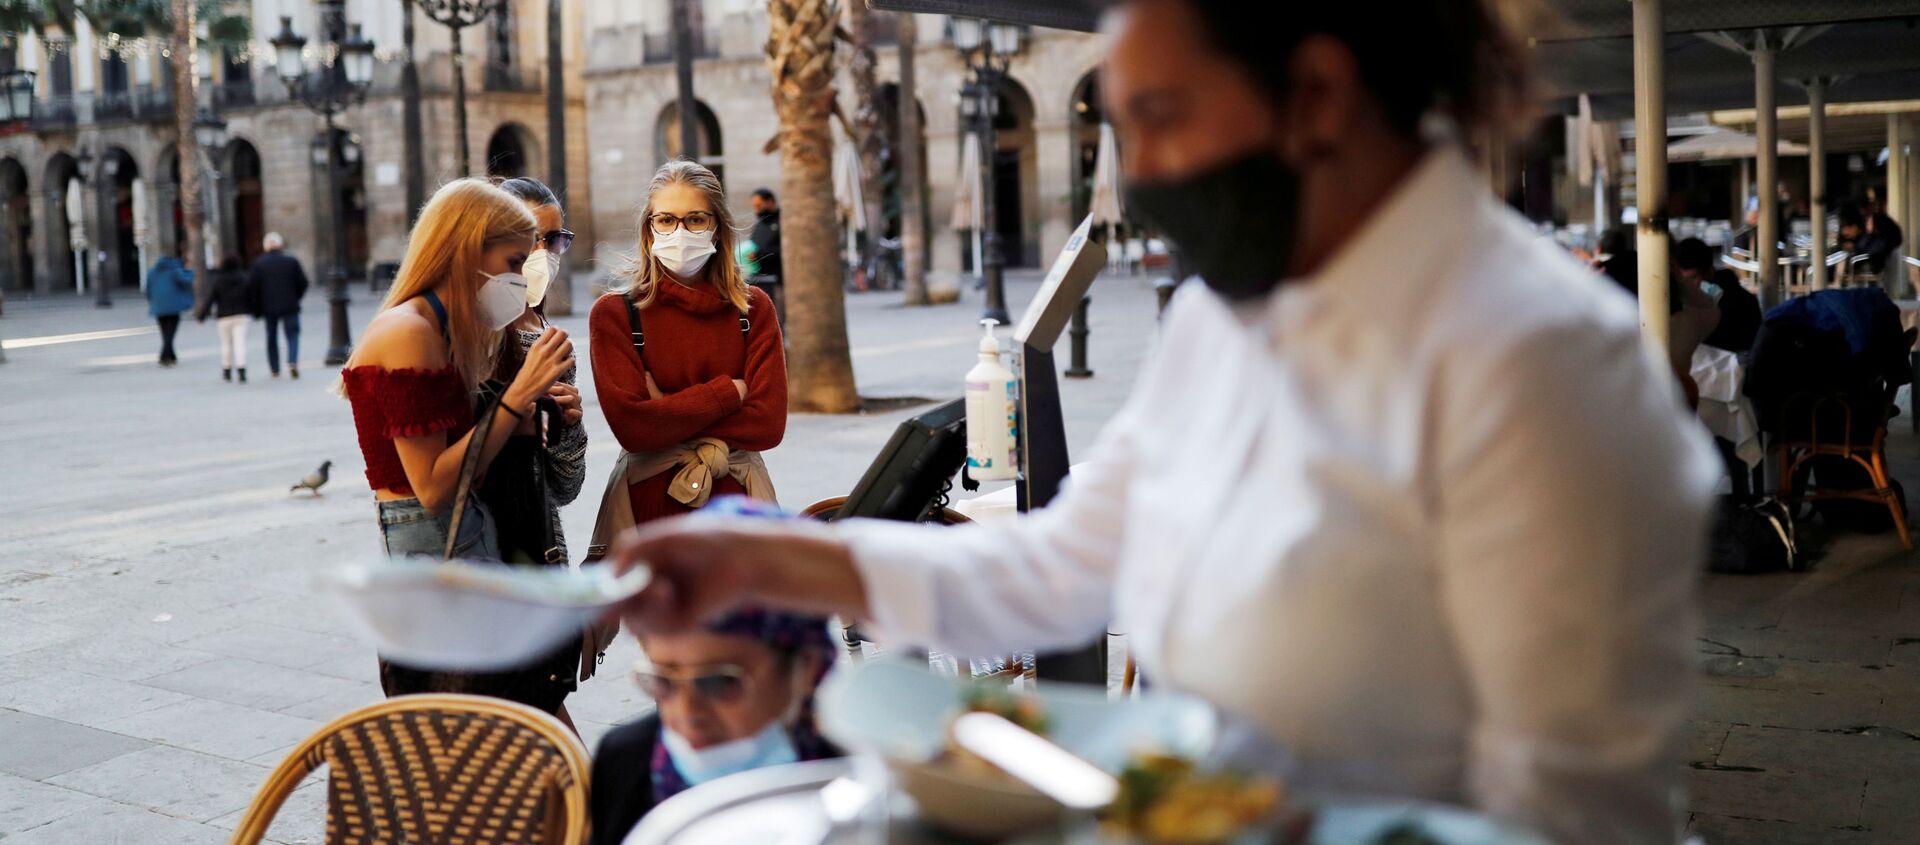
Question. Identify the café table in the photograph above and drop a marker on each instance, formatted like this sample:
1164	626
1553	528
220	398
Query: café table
782	805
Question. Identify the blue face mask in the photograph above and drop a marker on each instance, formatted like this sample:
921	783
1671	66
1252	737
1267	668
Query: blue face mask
772	746
1712	291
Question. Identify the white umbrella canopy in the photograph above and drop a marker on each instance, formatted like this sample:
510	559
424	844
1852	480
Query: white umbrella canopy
848	189
966	199
76	214
141	232
966	195
1724	144
1105	206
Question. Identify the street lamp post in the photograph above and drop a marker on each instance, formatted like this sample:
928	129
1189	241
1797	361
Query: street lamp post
457	15
106	170
340	81
987	48
16	109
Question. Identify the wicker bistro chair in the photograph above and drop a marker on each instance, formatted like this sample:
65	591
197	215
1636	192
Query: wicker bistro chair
441	769
1844	427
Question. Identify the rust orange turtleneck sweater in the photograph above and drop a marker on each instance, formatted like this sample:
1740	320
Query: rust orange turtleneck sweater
694	351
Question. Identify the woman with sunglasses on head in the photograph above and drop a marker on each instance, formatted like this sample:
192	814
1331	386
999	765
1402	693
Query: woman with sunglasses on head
688	361
413	380
732	696
543	464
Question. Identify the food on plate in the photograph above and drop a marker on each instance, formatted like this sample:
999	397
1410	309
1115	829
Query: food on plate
1166	800
1023	710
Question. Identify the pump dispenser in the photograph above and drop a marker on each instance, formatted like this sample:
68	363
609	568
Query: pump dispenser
993	415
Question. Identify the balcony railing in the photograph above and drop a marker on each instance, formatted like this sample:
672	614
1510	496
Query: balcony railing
658	46
512	78
55	112
233	95
139	104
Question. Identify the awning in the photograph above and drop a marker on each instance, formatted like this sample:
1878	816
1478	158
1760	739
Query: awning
1724	145
1082	15
1586	47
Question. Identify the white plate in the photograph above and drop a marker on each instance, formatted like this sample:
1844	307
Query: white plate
472	616
901	711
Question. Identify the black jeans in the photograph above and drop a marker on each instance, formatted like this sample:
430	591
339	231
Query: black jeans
168	325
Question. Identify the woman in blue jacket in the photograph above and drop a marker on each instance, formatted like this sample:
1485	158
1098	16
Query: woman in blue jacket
169	294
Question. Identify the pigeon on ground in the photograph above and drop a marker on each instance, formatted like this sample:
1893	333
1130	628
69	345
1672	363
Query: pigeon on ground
314	481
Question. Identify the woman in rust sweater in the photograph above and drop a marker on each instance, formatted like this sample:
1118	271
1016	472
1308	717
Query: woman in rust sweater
688	361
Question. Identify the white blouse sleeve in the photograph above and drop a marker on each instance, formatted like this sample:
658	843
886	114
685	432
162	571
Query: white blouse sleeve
1043	581
1571	494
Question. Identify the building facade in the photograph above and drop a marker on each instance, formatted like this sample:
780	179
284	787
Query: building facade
90	189
1047	130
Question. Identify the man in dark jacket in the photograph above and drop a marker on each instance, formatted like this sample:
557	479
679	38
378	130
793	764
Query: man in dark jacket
766	233
281	283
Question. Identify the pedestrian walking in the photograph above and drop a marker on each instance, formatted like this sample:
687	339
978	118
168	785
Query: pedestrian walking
1399	487
169	294
687	359
766	235
234	303
413	380
282	283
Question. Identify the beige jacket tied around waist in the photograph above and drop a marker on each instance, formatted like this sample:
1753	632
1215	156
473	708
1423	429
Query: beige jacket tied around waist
699	463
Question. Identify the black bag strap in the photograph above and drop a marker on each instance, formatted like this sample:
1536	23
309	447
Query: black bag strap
469	466
639	336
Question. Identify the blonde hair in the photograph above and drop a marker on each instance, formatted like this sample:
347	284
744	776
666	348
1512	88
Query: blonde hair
465	218
640	275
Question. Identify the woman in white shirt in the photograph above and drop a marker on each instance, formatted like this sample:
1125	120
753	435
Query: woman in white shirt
1400	487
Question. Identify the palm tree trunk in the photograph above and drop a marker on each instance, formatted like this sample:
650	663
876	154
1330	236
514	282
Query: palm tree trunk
870	137
913	218
415	158
800	57
186	146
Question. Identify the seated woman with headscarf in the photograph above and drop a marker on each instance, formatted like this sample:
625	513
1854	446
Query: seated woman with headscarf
735	696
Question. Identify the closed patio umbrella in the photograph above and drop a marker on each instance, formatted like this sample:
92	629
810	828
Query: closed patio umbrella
966	198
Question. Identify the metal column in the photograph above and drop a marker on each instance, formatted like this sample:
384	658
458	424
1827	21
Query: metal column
1767	173
1650	164
1893	200
1817	176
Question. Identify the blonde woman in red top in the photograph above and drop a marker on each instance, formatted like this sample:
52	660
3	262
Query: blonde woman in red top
687	359
412	384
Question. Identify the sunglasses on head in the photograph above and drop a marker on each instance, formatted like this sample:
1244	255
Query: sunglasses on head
557	241
724	683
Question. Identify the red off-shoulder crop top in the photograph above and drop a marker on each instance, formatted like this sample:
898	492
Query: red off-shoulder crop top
403	403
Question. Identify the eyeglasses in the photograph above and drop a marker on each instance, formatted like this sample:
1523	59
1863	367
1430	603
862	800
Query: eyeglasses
698	221
724	683
557	241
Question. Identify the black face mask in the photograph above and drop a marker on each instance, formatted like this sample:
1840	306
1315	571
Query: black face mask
1235	223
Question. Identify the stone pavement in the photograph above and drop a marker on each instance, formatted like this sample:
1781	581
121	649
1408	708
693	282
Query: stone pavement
1808	722
160	649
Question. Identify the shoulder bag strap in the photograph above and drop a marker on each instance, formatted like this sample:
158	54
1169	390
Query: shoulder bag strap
469	466
633	325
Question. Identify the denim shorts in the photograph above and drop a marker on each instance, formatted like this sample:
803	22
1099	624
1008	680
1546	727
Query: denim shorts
407	528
